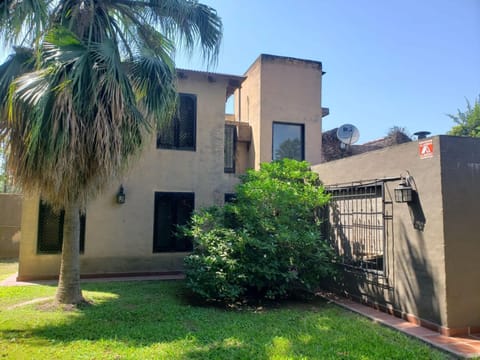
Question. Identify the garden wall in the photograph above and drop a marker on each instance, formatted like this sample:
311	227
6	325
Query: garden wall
431	268
10	219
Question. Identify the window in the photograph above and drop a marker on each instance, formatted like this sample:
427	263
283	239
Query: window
171	210
230	197
179	132
229	148
50	230
288	141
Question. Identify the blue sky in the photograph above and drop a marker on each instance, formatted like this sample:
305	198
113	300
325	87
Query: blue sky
389	63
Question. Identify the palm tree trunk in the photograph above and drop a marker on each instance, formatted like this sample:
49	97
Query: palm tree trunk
68	291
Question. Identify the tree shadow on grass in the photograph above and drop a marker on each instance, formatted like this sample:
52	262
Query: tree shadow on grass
158	318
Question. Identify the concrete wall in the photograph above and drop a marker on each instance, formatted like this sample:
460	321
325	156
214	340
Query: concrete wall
285	90
11	214
119	238
461	206
416	281
432	272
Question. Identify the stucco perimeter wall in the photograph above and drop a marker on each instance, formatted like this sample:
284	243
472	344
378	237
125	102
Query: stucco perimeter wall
119	238
461	203
11	215
416	280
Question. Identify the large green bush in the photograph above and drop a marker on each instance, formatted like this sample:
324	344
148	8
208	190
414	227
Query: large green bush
267	243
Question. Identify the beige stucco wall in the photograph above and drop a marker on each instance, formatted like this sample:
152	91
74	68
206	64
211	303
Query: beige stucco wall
119	238
11	214
247	104
285	90
416	281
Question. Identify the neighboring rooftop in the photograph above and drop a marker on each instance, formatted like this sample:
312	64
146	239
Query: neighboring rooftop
332	150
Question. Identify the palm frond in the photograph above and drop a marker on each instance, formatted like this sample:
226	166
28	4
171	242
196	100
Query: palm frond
193	24
23	20
153	80
21	61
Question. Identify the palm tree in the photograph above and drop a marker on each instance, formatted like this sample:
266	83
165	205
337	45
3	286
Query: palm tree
85	87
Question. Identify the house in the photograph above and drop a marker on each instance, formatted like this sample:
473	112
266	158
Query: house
193	162
415	257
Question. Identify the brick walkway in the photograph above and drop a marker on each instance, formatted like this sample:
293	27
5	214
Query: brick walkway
463	347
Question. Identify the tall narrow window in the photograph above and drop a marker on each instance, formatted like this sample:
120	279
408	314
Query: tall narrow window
288	141
50	230
179	132
172	210
229	148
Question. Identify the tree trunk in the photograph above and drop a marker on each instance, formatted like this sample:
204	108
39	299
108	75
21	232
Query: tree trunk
68	291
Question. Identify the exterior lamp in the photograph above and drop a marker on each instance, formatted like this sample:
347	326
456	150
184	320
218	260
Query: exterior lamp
121	195
404	191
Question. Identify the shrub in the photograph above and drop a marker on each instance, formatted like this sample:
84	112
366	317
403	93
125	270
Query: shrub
266	244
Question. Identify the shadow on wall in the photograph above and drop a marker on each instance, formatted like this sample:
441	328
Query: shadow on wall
416	213
416	289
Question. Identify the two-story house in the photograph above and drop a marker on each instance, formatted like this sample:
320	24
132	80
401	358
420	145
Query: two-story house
194	161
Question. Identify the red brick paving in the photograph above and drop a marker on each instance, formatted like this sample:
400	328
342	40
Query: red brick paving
464	347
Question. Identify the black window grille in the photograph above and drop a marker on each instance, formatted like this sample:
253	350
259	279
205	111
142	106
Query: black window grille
357	225
50	230
229	148
288	141
172	210
178	133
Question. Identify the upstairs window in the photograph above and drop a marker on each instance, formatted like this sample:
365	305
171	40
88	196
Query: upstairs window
50	230
229	148
179	132
288	141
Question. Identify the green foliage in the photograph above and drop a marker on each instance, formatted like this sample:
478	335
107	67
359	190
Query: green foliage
266	244
468	122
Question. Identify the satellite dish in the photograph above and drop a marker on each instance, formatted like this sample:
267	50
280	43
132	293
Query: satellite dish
348	134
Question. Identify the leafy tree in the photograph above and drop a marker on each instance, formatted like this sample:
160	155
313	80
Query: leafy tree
86	85
290	148
468	122
267	243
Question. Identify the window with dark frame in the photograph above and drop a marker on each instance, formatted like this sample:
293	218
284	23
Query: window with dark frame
172	210
288	141
230	197
50	230
229	148
179	132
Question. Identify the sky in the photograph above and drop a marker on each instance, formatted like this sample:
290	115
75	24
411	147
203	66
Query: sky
403	63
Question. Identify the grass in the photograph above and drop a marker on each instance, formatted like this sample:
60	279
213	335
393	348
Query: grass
7	268
156	320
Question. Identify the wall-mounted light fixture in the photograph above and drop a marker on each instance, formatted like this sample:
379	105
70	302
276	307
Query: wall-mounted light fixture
120	195
404	191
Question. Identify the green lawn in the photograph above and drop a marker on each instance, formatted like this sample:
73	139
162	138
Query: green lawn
155	320
7	268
